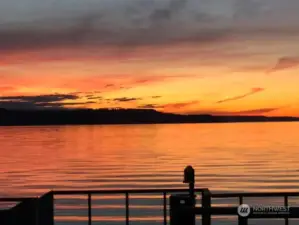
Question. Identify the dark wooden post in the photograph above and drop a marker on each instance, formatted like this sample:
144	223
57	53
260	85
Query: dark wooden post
46	209
25	212
189	178
5	217
206	205
181	210
182	206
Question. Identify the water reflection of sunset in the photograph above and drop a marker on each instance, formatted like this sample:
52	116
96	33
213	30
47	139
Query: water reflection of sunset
226	156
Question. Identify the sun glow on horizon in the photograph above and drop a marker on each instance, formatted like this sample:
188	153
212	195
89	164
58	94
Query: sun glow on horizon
216	62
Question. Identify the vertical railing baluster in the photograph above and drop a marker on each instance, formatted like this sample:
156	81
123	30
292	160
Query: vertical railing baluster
127	209
242	220
240	200
89	208
206	203
286	203
165	208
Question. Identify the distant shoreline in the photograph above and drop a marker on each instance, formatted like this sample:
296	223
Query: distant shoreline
119	117
116	124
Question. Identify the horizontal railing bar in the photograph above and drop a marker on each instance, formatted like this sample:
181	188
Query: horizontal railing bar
215	210
254	194
140	191
130	191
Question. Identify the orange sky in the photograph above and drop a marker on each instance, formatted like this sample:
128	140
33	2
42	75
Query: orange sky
232	67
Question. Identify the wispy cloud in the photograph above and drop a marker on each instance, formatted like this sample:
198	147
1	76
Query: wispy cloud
84	32
149	106
170	106
256	111
41	98
285	63
155	79
249	112
93	97
38	101
107	83
179	105
124	25
253	91
124	99
165	14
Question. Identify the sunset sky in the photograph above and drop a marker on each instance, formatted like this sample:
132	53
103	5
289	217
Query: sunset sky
183	56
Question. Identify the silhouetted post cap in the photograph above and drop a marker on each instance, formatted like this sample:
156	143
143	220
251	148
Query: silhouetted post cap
189	175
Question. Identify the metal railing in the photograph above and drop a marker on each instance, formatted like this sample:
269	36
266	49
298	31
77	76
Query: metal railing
207	210
294	211
42	213
126	193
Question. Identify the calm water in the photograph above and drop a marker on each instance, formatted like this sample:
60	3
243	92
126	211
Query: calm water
226	157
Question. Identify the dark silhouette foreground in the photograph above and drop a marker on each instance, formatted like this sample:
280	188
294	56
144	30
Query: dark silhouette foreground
182	207
118	116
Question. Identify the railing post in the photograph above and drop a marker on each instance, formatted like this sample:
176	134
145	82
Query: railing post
206	205
189	178
26	212
164	208
127	209
182	206
286	204
89	209
46	209
242	220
